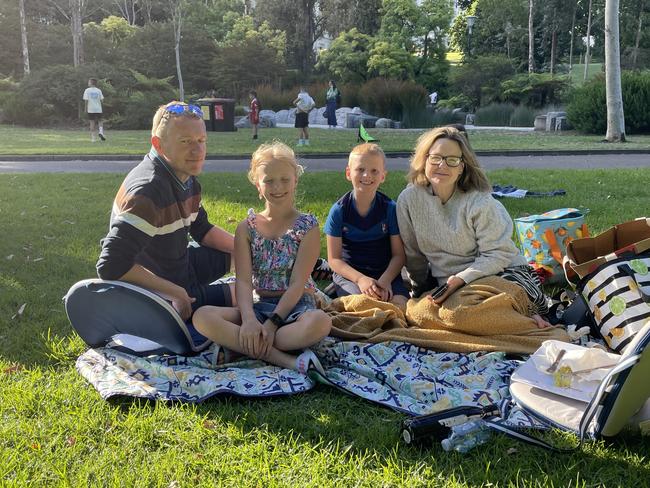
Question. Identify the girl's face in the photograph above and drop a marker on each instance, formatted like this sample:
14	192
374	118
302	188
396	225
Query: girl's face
441	175
276	182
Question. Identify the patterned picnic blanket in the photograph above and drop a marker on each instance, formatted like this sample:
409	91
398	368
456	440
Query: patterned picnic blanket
400	376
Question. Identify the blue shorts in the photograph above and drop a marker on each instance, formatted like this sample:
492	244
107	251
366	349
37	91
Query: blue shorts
265	306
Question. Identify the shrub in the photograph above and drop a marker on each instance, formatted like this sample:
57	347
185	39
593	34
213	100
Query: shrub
587	109
445	116
458	101
523	116
405	101
495	114
534	90
479	78
272	99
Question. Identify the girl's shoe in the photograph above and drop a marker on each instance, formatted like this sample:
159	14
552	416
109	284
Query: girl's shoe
308	361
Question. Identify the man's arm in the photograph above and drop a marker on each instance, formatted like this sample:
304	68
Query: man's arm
219	239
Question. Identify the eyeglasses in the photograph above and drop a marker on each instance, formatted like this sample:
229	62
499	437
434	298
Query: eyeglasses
452	161
179	109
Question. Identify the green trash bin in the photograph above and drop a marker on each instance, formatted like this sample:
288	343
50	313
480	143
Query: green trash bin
218	114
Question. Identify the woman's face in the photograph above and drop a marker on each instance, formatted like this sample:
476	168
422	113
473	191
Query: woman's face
442	176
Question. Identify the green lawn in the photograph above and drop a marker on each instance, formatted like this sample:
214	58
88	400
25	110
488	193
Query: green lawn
578	72
22	141
56	431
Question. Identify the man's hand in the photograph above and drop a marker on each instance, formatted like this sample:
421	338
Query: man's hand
250	338
182	302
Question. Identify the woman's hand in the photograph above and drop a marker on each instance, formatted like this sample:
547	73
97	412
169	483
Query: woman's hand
453	284
541	322
250	338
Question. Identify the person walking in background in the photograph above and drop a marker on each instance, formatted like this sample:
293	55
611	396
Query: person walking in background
254	111
93	97
333	98
433	98
304	103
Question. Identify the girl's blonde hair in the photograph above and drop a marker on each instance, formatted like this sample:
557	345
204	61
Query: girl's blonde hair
473	176
273	151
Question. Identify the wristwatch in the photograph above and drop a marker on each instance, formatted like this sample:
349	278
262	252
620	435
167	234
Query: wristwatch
276	320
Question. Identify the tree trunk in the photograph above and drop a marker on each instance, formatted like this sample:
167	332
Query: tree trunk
553	49
23	36
588	43
76	26
177	21
573	29
637	41
615	116
531	37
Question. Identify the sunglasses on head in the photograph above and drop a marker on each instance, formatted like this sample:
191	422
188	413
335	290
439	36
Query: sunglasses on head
179	109
452	161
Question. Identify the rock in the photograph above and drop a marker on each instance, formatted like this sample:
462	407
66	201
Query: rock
550	120
353	120
384	124
282	117
317	117
243	123
540	122
267	119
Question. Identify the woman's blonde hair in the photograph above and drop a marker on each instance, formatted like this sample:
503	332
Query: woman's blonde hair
472	178
273	151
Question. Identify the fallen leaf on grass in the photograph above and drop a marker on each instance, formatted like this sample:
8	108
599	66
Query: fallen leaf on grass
68	222
511	451
230	220
37	260
14	368
71	441
49	238
36	446
20	311
44	206
209	424
84	188
10	257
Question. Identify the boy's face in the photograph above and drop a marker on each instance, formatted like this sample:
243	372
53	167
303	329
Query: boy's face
366	172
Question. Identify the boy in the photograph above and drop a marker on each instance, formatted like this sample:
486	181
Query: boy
364	248
254	111
304	103
93	100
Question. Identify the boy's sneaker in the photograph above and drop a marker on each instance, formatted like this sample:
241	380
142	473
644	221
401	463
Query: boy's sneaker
301	142
308	361
306	142
255	137
101	136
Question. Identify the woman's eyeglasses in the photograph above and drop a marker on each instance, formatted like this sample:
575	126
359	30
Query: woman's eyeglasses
179	108
452	161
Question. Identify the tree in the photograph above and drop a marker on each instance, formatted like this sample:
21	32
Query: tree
588	42
347	57
531	37
176	7
615	116
343	15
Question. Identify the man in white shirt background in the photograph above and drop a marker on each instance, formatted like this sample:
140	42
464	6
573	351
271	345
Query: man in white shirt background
93	100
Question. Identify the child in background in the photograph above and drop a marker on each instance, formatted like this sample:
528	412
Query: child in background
254	111
364	248
275	252
304	103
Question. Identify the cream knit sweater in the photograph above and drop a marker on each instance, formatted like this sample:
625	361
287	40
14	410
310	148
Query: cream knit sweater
470	236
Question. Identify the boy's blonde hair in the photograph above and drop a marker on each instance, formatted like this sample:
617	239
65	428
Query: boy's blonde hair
273	151
161	118
367	148
473	176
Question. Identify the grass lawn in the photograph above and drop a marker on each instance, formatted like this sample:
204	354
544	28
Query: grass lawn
56	431
22	141
578	72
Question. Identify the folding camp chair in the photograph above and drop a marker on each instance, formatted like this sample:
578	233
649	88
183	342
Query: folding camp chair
103	311
364	136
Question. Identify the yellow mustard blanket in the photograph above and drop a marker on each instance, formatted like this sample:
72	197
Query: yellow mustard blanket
489	314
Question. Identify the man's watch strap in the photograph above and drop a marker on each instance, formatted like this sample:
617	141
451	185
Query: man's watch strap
276	320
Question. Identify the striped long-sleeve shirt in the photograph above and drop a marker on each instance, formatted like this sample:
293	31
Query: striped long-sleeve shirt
153	213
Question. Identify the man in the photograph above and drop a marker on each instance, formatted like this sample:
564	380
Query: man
157	206
93	101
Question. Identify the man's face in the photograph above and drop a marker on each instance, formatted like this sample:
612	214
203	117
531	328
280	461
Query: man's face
184	146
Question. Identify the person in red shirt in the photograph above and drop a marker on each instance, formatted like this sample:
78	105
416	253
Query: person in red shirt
254	111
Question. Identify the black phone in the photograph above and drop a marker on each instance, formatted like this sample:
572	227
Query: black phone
438	292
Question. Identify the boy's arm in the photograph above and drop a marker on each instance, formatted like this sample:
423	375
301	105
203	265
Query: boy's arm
335	260
395	264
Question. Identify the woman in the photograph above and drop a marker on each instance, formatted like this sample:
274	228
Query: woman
452	226
333	98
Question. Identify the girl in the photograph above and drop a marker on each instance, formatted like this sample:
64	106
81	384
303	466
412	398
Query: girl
275	252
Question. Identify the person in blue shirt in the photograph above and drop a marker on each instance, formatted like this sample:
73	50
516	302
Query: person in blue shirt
364	248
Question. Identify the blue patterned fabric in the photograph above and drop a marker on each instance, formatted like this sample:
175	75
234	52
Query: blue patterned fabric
400	376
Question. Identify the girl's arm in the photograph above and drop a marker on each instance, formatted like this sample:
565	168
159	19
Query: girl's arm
308	252
251	329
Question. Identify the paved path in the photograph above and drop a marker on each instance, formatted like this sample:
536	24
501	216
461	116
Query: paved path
573	161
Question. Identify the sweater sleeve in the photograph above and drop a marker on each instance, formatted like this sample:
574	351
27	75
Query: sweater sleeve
416	262
493	228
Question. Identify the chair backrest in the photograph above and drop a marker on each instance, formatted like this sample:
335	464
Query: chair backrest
98	310
627	390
